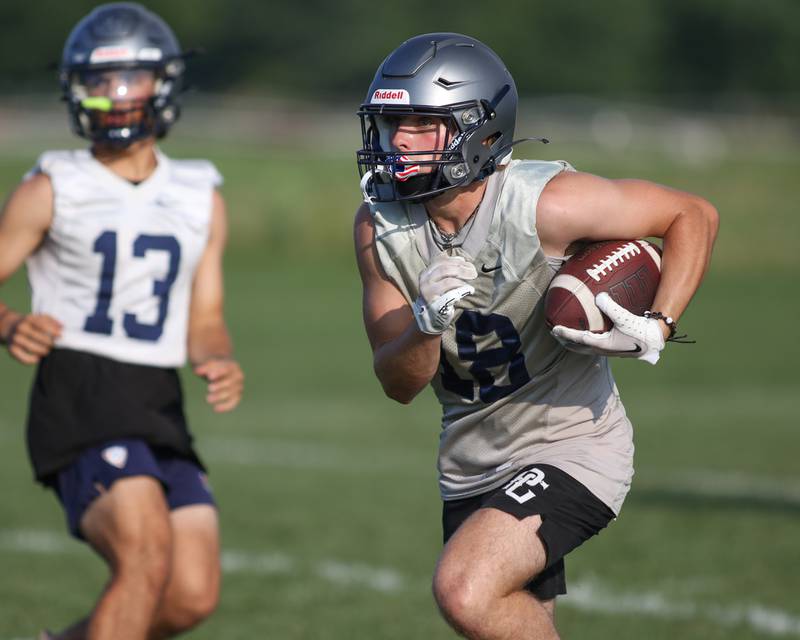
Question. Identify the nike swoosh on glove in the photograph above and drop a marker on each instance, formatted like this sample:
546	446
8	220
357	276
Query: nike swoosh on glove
631	336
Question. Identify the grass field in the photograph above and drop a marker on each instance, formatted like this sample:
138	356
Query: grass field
328	493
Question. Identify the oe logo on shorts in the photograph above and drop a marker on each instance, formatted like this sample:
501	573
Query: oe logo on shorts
531	478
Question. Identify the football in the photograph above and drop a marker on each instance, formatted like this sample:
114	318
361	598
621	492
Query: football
628	270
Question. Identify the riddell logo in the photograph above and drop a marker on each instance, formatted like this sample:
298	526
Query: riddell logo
111	54
391	96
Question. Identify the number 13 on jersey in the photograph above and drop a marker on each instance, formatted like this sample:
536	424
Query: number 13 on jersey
106	245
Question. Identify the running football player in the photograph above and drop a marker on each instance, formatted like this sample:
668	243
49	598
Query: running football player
456	244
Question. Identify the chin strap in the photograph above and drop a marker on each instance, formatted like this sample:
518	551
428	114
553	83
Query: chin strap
491	165
365	184
516	142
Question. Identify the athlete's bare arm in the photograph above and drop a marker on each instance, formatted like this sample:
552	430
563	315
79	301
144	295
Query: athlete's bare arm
210	347
580	206
404	358
24	222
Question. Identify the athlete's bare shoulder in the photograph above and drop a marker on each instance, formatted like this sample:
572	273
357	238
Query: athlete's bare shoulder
30	204
24	221
363	215
364	240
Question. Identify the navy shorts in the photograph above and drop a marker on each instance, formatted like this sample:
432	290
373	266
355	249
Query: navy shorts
571	514
97	468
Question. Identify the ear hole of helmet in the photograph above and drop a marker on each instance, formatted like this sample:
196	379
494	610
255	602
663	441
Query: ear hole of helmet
490	140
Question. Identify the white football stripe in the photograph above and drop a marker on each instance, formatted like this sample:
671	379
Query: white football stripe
596	596
584	296
652	251
586	593
353	574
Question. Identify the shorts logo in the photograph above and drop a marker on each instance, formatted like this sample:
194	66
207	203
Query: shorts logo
519	489
116	456
391	96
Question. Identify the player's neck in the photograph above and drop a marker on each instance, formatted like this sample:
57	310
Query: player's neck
135	163
451	210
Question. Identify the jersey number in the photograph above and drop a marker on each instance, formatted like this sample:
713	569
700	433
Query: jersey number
106	246
471	324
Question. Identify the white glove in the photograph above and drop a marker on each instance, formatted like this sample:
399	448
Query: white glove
441	285
631	336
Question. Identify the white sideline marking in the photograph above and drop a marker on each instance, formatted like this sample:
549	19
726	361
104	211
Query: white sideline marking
262	563
300	454
233	561
592	595
345	573
587	594
732	484
266	452
37	541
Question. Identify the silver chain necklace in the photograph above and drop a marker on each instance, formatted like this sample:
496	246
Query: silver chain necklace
444	240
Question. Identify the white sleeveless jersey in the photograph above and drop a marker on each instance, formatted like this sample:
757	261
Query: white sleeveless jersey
117	264
511	395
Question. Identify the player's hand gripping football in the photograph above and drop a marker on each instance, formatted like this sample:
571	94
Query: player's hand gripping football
441	285
225	382
29	338
631	336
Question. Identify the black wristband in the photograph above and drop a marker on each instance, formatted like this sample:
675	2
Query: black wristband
673	327
657	315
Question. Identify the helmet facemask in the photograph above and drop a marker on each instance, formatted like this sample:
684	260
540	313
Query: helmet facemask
122	104
473	149
416	175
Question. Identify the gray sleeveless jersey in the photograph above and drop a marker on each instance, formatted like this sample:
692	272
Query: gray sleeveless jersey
511	395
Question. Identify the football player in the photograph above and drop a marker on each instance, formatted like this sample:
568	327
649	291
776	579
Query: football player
456	244
124	248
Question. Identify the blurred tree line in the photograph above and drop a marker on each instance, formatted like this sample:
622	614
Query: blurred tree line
706	49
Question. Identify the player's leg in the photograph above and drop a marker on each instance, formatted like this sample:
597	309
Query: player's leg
114	500
129	527
503	566
192	591
481	576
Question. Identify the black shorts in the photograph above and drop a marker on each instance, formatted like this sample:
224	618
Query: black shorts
571	514
79	400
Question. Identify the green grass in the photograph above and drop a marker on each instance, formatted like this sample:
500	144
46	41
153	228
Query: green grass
329	483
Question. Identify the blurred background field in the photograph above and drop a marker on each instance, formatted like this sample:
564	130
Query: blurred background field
327	490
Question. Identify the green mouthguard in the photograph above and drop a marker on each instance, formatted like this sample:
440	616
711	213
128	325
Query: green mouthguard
99	103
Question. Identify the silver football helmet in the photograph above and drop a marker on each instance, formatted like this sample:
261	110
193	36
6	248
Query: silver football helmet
121	74
443	75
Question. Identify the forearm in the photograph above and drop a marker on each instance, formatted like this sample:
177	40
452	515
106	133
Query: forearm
687	251
406	364
209	341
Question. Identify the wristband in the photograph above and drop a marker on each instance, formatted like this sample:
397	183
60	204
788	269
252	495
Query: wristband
671	324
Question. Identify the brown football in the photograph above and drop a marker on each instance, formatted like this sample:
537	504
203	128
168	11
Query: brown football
628	270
